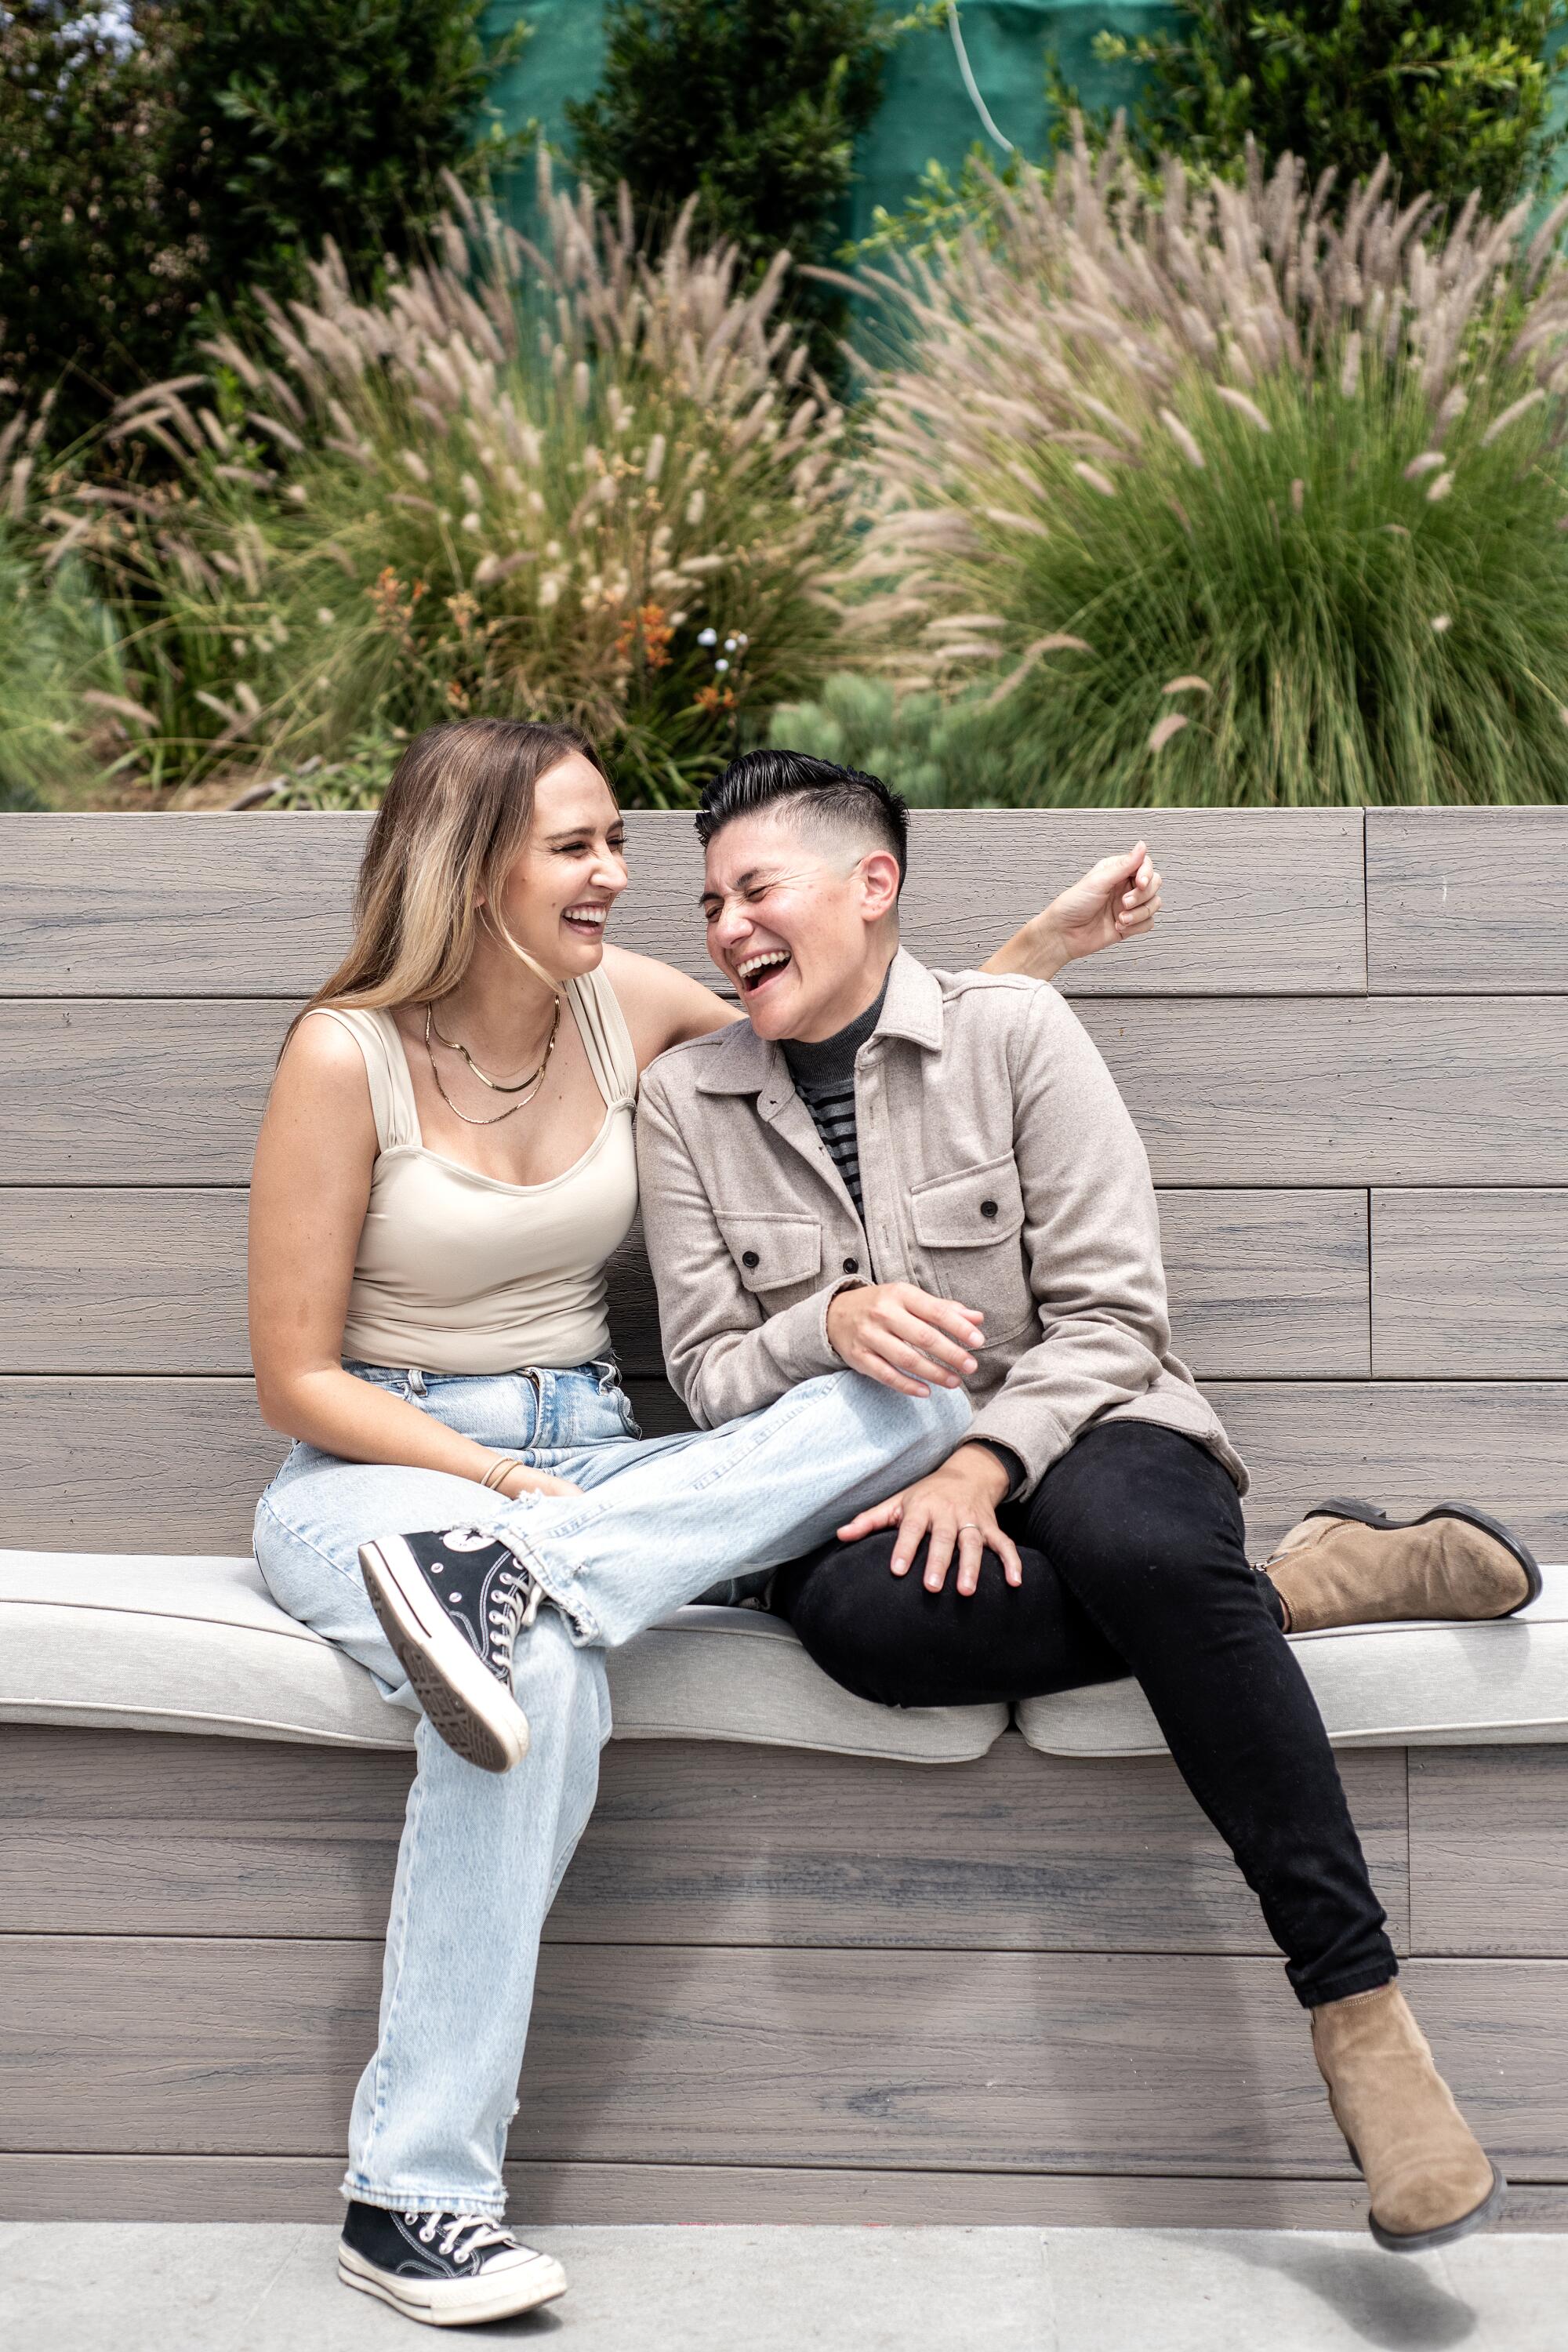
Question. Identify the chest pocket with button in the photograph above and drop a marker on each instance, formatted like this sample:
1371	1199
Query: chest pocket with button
969	1229
778	1258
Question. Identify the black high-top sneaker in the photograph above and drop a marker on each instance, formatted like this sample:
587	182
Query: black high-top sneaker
451	1603
450	2270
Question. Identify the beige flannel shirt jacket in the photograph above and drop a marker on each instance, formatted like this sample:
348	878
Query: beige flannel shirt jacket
999	1168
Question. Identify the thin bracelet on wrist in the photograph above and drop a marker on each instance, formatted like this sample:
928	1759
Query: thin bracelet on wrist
501	1467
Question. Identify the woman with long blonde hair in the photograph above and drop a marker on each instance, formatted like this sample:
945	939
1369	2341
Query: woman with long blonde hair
444	1171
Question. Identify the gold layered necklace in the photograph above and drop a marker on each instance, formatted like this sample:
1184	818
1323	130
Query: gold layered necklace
524	1089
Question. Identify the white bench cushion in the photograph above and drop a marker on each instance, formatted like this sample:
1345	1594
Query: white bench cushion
1423	1686
190	1644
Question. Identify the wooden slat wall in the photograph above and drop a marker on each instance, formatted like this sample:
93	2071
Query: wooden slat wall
1487	1851
1262	902
165	1835
780	1986
1466	902
1306	1091
807	1988
151	1279
996	2061
107	1463
1469	1284
296	2188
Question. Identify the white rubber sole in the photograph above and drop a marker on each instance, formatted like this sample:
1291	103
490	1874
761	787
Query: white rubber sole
457	2303
476	1714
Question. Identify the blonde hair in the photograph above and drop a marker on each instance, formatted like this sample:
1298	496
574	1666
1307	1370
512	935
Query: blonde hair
456	814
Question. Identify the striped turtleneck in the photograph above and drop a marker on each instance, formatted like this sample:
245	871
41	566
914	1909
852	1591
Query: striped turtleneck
823	1076
823	1079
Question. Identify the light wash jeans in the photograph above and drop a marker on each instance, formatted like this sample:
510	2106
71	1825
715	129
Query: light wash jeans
658	1522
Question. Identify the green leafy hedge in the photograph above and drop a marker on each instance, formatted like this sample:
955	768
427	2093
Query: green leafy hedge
159	160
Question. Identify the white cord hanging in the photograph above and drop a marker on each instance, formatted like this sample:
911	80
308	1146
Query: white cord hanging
970	84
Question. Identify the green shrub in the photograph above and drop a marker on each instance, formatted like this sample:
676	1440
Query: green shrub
942	207
301	121
1456	93
1199	497
932	752
101	266
563	485
751	108
157	157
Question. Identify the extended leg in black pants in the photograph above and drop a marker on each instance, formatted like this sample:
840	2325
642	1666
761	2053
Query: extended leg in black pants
1134	1562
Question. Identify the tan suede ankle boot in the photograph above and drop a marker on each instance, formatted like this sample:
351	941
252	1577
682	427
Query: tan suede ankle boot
1428	2178
1347	1564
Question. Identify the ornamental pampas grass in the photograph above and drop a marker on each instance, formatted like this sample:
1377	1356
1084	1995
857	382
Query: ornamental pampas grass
1223	437
66	715
559	481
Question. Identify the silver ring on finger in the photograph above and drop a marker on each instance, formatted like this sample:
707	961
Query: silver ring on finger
969	1523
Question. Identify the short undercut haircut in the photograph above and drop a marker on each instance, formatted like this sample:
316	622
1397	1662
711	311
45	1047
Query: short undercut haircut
840	800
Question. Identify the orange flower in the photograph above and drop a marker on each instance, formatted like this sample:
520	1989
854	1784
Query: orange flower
652	623
391	611
714	698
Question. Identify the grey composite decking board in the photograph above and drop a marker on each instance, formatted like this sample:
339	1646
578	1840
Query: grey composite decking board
1470	1284
1393	1090
114	1464
121	1279
1296	1093
1257	901
1467	900
1487	1850
113	1278
116	1091
119	1464
1268	1284
1404	1443
996	2061
693	1842
305	2188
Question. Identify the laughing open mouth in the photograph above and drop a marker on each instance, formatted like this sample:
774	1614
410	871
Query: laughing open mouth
588	921
755	971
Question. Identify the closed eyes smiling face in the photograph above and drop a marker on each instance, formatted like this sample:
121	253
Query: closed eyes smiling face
787	926
562	887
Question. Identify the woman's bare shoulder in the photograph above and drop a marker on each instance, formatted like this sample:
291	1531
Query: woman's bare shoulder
661	1005
324	1047
322	1070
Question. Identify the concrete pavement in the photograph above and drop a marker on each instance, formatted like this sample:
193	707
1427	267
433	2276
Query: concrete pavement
271	2287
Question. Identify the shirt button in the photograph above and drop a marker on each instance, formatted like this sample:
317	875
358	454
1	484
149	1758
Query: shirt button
989	1208
851	1266
750	1258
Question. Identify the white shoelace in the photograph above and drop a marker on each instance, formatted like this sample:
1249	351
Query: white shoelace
515	1609
484	2233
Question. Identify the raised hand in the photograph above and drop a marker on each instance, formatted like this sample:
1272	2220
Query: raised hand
1116	899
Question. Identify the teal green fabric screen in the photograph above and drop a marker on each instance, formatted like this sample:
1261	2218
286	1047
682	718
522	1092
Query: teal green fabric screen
927	113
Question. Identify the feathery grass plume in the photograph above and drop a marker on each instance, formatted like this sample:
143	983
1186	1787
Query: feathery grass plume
1233	345
66	718
541	481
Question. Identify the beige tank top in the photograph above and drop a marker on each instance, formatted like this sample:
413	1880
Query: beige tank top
457	1272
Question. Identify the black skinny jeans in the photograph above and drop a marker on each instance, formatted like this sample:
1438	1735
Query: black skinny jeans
1134	1561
